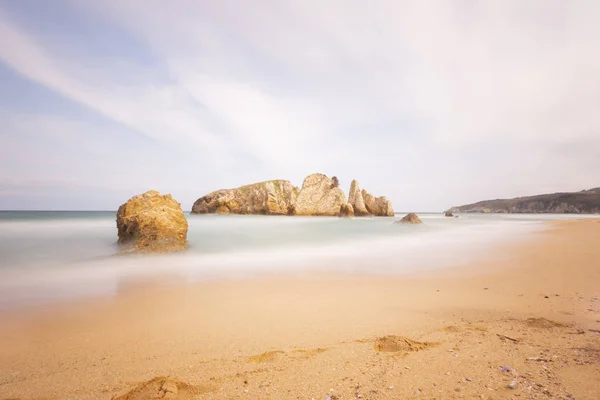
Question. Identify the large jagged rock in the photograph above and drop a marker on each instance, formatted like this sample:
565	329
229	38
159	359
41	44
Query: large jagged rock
378	206
355	198
264	198
346	210
410	218
319	196
151	222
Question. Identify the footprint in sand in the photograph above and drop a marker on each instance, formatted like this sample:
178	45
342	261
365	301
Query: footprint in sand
543	323
392	343
278	355
459	329
166	389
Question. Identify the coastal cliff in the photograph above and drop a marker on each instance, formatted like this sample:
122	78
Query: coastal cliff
584	202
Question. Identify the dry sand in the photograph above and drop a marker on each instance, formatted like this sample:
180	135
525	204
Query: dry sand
531	307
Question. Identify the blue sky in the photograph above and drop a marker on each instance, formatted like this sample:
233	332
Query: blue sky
431	103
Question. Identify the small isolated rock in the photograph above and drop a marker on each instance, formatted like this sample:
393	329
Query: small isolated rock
514	382
390	388
151	222
417	392
410	218
449	214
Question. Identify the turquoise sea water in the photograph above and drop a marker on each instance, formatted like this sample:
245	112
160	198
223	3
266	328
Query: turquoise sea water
51	256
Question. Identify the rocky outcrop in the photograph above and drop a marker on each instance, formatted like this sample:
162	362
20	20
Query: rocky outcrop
369	200
346	210
584	202
410	218
355	198
448	214
151	222
319	196
264	198
377	206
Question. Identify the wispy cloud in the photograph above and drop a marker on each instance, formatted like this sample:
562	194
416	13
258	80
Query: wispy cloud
161	111
432	103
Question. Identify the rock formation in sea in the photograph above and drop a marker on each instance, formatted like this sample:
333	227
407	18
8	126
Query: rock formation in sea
377	206
410	218
448	214
319	196
265	198
151	222
346	210
355	198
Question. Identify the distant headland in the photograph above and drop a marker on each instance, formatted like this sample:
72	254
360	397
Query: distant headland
583	202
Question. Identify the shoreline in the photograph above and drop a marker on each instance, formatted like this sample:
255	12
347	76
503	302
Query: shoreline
310	335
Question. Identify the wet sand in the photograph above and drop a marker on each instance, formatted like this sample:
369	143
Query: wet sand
532	307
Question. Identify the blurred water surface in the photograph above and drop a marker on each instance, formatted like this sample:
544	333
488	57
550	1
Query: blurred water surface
48	256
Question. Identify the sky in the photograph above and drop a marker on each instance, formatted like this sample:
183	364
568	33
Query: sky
430	103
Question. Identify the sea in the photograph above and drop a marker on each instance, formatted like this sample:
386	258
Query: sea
54	256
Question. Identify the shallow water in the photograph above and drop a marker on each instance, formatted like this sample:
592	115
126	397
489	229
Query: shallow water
50	256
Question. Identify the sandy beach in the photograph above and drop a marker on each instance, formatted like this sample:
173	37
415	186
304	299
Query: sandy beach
523	323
